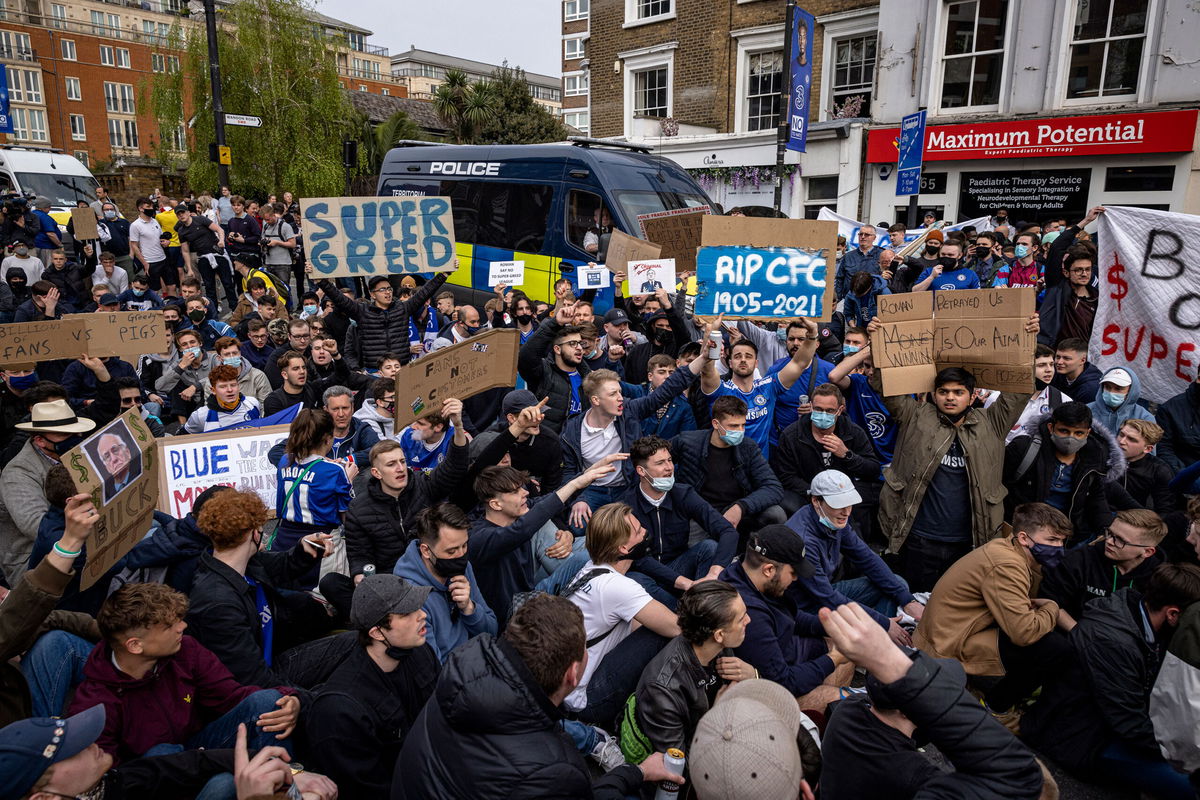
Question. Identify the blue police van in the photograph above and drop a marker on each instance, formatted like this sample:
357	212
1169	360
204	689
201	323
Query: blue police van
546	204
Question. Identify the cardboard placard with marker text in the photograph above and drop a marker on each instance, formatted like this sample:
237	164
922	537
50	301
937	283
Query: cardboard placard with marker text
459	371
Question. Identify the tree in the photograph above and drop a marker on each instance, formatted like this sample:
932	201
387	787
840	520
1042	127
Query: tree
464	106
518	119
376	140
277	63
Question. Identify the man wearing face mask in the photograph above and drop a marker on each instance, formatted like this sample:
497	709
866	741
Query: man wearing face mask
985	611
667	332
118	242
1064	460
927	258
359	719
949	273
146	246
469	324
455	608
53	429
210	330
1026	270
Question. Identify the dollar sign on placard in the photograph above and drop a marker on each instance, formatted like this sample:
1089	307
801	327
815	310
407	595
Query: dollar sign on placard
1119	288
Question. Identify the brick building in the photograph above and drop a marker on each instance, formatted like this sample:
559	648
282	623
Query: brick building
715	68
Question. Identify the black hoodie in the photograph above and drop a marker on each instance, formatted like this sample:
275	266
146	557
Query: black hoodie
1085	573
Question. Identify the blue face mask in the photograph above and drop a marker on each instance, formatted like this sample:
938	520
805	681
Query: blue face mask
663	484
192	351
1021	250
828	523
849	349
22	382
733	438
1047	555
310	310
234	361
139	292
1112	399
472	330
824	419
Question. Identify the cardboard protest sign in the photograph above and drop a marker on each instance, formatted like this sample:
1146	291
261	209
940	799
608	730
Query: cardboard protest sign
461	370
122	333
365	236
594	278
118	333
677	233
623	248
28	342
84	224
117	467
1148	316
982	330
190	464
647	277
759	268
510	273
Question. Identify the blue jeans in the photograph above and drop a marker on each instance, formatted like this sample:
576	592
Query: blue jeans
865	593
694	563
617	675
1153	776
584	737
222	732
596	497
545	537
52	667
564	572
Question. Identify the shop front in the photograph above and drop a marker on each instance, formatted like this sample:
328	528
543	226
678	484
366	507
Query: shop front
1042	168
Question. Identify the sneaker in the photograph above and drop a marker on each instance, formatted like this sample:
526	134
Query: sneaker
607	752
850	691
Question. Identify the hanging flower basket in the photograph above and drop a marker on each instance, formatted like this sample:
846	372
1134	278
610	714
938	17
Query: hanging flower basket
737	177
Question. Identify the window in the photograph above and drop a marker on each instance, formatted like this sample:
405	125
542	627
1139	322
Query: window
106	24
573	48
362	88
29	124
118	98
83	156
581	120
1106	48
765	74
819	191
172	63
575	85
645	9
386	92
74	92
24	85
122	57
581	216
157	63
356	41
1140	179
15	46
122	133
107	57
58	16
650	93
575	9
177	139
973	58
853	73
545	93
78	130
509	216
68	49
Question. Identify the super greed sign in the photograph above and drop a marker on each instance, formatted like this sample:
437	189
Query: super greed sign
1148	318
364	236
1108	134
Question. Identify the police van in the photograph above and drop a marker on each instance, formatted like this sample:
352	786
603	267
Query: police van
537	203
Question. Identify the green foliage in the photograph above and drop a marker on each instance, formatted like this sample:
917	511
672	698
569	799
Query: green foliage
277	64
374	141
518	118
464	106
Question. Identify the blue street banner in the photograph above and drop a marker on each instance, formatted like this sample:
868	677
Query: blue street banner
800	75
762	282
6	123
912	153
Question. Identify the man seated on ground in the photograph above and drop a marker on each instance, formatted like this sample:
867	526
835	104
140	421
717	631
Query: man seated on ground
671	419
1093	716
531	446
379	408
162	691
426	441
361	715
828	538
1074	374
727	470
455	609
252	380
1146	475
782	643
225	404
669	511
505	536
985	611
1064	460
1126	556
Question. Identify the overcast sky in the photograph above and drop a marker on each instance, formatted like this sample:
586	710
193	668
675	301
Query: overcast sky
528	33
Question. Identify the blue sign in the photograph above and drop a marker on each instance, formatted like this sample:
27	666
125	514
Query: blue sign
912	153
800	75
761	282
6	123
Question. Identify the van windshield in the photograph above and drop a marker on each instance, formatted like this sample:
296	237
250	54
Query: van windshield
63	190
634	203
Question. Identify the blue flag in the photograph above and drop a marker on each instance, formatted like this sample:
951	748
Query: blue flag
284	417
800	75
6	124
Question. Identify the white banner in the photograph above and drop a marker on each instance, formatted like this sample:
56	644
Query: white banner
190	464
1148	317
849	228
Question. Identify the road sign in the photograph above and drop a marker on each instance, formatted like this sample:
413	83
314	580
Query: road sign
912	152
223	155
244	120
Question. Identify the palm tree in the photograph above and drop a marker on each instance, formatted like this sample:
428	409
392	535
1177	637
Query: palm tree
464	106
377	140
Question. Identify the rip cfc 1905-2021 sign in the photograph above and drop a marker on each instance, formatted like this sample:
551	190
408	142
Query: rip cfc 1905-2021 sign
364	236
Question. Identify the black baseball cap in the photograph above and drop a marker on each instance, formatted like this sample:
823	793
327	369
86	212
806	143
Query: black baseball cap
517	401
781	544
616	316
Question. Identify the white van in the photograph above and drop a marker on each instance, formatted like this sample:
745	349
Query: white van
45	172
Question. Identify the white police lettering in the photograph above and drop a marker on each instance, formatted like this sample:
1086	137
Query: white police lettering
465	168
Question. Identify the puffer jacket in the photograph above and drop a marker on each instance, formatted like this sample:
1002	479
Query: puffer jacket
1175	701
536	365
798	457
378	526
755	478
672	696
925	436
1113	418
383	330
490	733
1100	461
1180	421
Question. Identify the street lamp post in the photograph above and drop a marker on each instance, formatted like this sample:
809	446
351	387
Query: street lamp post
209	9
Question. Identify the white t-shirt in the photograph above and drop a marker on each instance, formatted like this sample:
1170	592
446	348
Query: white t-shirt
1037	406
32	265
608	602
145	233
595	444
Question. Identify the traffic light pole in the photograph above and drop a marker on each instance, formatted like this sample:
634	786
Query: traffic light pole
214	75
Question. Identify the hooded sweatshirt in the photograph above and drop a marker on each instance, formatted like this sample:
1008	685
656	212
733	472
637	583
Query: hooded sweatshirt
447	629
370	414
1114	418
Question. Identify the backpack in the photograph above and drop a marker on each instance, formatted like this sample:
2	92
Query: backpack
1035	447
521	598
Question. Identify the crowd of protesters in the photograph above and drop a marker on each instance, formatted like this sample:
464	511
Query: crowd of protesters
671	534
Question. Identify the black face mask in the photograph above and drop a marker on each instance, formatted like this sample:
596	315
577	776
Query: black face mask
17	286
982	251
149	212
524	319
396	653
958	416
931	249
662	336
450	567
66	444
948	263
640	550
1040	384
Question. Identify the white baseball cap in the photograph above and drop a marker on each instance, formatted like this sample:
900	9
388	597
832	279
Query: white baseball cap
1117	377
835	488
